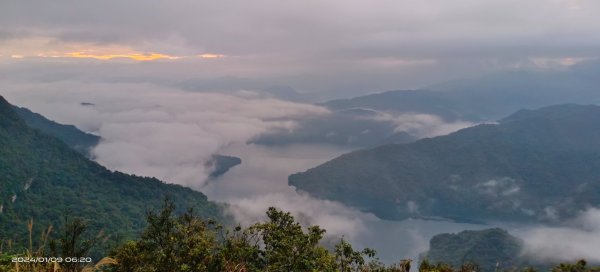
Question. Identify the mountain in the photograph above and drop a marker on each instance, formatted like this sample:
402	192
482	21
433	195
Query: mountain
403	101
492	249
535	165
43	179
84	142
354	128
472	100
499	94
75	138
220	164
489	97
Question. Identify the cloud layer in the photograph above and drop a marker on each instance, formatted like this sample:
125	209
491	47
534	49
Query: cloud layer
578	239
314	46
160	132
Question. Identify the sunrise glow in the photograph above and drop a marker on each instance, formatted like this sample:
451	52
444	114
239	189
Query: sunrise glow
133	56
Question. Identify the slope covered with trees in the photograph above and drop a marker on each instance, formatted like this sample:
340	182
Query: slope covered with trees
44	180
84	142
540	165
71	135
492	249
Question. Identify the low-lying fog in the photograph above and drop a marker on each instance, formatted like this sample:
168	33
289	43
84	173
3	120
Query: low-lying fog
261	181
169	134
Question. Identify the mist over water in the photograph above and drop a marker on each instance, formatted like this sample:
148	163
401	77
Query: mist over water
261	181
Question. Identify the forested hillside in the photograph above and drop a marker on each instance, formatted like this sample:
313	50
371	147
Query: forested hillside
44	180
492	249
73	137
540	165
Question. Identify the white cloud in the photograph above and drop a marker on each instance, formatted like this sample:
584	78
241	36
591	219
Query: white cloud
154	131
423	125
499	188
578	239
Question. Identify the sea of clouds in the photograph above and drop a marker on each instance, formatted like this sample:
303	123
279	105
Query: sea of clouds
153	130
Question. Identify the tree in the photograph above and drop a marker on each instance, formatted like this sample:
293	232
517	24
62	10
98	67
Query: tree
169	243
188	243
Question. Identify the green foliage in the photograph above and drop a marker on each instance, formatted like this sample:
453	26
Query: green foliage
42	178
69	253
169	243
188	243
6	262
73	244
426	266
347	258
80	141
579	266
287	247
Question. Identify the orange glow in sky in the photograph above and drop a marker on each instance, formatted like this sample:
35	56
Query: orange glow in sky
133	56
44	48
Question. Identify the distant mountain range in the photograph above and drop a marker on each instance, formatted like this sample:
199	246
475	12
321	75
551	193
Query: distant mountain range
43	179
535	165
472	100
489	97
405	101
354	128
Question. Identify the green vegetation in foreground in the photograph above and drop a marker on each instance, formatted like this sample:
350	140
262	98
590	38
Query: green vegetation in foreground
188	243
43	179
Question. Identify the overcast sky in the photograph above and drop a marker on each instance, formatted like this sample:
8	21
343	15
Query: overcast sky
311	45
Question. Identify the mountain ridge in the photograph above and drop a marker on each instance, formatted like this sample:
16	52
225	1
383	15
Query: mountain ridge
43	179
483	173
82	142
